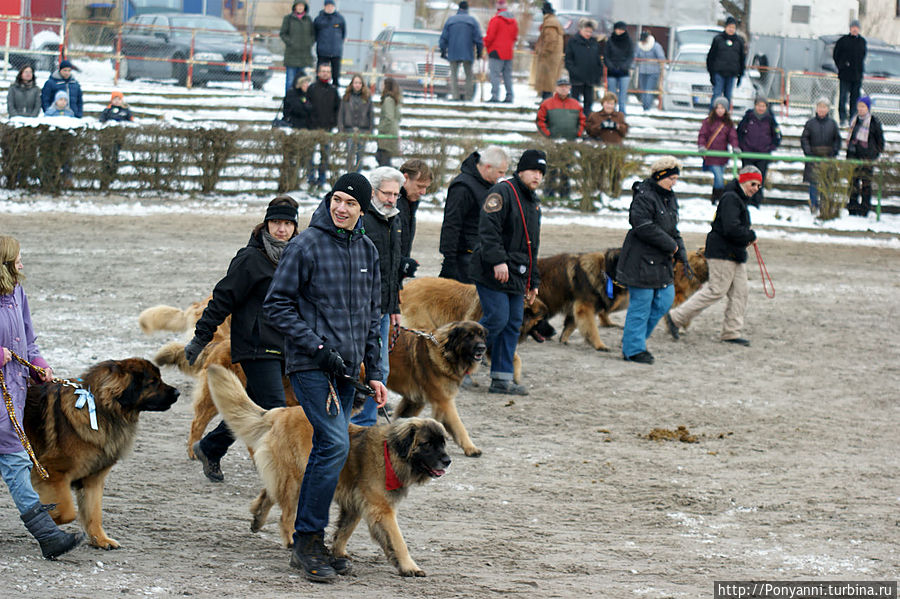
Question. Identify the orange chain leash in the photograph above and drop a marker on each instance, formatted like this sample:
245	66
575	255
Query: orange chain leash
11	410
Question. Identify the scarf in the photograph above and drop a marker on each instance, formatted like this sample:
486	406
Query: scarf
274	247
862	134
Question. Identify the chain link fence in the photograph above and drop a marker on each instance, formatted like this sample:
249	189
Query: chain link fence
803	89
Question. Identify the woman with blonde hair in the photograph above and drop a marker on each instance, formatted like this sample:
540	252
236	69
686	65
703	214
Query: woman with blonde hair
17	337
389	122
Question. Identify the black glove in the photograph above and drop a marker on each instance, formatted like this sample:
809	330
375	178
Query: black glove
608	124
738	82
408	267
444	53
329	360
192	350
494	54
479	53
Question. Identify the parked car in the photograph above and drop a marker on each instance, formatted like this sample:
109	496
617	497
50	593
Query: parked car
44	54
412	57
151	42
700	35
686	84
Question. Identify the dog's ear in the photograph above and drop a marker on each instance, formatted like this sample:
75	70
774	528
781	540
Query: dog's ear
455	337
403	438
132	393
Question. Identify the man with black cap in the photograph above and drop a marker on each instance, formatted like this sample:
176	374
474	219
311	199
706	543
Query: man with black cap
504	265
725	61
325	298
849	57
62	80
255	344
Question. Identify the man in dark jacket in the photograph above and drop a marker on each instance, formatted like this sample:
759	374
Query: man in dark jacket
865	142
325	298
725	61
460	43
417	178
331	30
324	105
63	80
584	63
504	265
618	55
758	132
465	196
850	58
298	35
646	263
255	344
821	137
382	226
726	253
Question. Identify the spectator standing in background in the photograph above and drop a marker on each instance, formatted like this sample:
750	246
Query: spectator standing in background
499	41
63	80
299	35
461	44
821	137
717	133
325	103
331	30
24	96
356	116
759	132
649	53
560	117
548	54
584	63
850	58
725	61
389	122
865	142
618	54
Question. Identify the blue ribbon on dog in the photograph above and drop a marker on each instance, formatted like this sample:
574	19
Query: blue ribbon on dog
609	288
86	397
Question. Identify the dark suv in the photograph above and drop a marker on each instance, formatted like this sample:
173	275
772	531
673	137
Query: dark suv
153	45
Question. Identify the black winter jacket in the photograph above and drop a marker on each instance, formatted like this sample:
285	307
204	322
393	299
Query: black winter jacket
820	137
726	56
385	234
459	229
327	291
116	113
584	60
731	232
324	103
241	293
407	218
618	55
502	237
646	258
849	56
297	110
876	141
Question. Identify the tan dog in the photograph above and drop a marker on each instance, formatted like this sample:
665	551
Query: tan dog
281	440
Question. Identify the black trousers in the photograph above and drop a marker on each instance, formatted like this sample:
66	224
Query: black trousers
335	62
585	94
264	387
861	191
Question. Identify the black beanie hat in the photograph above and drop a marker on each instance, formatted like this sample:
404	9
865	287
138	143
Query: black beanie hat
357	186
282	212
547	8
532	159
463	5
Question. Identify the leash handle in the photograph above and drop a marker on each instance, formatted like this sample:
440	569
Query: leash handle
11	411
764	272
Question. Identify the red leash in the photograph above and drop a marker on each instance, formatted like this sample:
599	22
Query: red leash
764	272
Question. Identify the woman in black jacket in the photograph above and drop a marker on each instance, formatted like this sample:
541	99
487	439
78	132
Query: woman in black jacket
821	137
255	344
296	106
646	264
865	142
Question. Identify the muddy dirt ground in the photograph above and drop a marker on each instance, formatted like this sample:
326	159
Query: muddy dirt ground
793	475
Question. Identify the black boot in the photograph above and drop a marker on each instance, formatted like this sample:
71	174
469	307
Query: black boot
311	556
54	542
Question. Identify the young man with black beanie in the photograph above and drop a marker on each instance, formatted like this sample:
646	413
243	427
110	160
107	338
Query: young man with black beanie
325	298
504	265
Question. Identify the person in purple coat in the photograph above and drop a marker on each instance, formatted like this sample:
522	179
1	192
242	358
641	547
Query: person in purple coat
759	132
717	133
17	336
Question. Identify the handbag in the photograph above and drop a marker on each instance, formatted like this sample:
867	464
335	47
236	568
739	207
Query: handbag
279	121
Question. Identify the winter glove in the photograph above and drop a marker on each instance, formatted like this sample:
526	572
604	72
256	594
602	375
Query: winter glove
738	82
479	53
329	360
608	124
192	350
494	54
408	267
444	53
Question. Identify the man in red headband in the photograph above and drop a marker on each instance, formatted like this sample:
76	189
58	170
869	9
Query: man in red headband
726	252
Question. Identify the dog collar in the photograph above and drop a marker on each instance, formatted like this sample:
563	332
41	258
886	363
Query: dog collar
391	482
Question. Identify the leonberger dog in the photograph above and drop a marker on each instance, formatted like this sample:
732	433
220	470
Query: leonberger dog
169	318
430	369
76	456
281	439
428	303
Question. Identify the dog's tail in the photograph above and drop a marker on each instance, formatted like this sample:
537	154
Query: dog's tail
172	354
164	318
244	418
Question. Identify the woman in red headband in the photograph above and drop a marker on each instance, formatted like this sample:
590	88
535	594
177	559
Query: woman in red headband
726	253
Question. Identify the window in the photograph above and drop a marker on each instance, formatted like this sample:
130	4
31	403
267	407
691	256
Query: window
800	14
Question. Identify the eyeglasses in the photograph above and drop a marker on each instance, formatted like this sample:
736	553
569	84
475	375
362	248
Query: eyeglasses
390	194
755	184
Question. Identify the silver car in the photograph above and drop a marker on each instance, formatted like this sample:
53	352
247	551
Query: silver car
413	58
686	84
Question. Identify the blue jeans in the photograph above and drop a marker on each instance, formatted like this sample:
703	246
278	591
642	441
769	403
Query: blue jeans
722	86
848	90
645	308
356	145
503	313
648	82
619	86
500	69
322	169
718	171
330	446
16	471
290	73
369	413
813	196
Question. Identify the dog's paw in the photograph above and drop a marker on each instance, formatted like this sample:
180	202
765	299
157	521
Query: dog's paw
602	348
104	543
412	572
472	452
